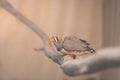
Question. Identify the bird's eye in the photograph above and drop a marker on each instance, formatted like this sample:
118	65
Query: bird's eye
59	39
52	39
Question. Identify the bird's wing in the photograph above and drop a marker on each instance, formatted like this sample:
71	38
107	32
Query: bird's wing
84	41
72	43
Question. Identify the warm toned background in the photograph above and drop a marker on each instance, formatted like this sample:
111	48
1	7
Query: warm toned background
96	21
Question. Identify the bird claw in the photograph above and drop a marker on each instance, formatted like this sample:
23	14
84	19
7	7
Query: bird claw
67	57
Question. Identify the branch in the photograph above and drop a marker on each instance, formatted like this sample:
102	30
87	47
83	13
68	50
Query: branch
104	59
48	49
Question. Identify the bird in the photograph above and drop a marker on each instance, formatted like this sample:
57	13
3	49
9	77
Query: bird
71	45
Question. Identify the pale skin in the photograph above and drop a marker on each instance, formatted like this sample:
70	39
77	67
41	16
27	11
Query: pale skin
103	59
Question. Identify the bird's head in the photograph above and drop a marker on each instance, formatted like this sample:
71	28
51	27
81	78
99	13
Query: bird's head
58	41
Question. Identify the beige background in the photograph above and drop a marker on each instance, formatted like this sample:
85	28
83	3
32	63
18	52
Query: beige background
87	19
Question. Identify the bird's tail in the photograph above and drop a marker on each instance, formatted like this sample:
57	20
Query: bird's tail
91	50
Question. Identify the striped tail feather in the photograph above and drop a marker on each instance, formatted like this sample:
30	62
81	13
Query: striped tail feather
91	50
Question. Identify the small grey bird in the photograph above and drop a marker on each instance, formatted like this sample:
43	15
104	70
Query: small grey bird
71	44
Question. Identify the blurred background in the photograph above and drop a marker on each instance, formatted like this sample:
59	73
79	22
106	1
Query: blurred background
97	21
